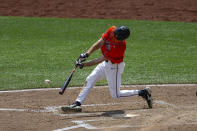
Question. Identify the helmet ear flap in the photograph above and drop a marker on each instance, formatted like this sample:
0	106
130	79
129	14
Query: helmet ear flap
122	33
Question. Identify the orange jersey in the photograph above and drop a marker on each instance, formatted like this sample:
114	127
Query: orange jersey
113	49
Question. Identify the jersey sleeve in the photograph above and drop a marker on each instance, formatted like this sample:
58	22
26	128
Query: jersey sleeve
108	32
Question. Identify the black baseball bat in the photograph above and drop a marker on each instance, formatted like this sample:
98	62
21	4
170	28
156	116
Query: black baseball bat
61	92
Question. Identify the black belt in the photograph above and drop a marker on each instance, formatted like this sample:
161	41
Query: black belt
108	61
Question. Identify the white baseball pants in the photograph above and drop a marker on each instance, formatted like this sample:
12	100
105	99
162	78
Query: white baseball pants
112	72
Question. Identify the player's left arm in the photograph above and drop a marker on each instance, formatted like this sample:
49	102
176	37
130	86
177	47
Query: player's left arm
94	62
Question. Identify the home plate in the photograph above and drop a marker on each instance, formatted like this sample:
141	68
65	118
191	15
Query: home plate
124	115
131	115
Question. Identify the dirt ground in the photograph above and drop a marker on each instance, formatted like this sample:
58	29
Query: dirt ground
167	10
174	109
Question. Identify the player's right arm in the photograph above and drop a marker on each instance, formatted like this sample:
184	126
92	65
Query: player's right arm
97	45
94	47
101	41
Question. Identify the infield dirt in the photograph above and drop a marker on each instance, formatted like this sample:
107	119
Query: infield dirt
174	109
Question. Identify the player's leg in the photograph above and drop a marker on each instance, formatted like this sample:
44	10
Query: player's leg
113	75
96	75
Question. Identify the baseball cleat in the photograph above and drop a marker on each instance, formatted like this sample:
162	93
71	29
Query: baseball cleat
71	108
146	94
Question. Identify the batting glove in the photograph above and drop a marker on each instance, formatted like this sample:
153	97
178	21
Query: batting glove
83	57
79	64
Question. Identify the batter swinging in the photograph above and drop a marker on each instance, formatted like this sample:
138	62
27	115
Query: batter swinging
110	66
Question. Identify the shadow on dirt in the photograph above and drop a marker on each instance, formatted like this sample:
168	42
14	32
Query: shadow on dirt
112	113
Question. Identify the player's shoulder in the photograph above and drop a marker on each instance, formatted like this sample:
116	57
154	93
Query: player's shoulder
109	33
112	28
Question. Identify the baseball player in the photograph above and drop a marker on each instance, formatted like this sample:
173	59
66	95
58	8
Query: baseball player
110	66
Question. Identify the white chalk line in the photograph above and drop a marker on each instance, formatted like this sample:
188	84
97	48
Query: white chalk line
9	109
86	114
160	102
166	103
55	108
51	89
30	90
83	124
23	110
80	123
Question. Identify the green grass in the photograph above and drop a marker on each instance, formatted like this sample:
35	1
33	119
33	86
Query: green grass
35	49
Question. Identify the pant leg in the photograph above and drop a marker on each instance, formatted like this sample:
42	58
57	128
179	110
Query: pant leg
113	74
96	75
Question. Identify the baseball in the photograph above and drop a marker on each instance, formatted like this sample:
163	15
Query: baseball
47	81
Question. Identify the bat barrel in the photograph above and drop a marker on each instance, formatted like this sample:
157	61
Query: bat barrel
61	92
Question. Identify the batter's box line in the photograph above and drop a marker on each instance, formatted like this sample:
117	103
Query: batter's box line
166	103
54	109
24	110
84	124
160	102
